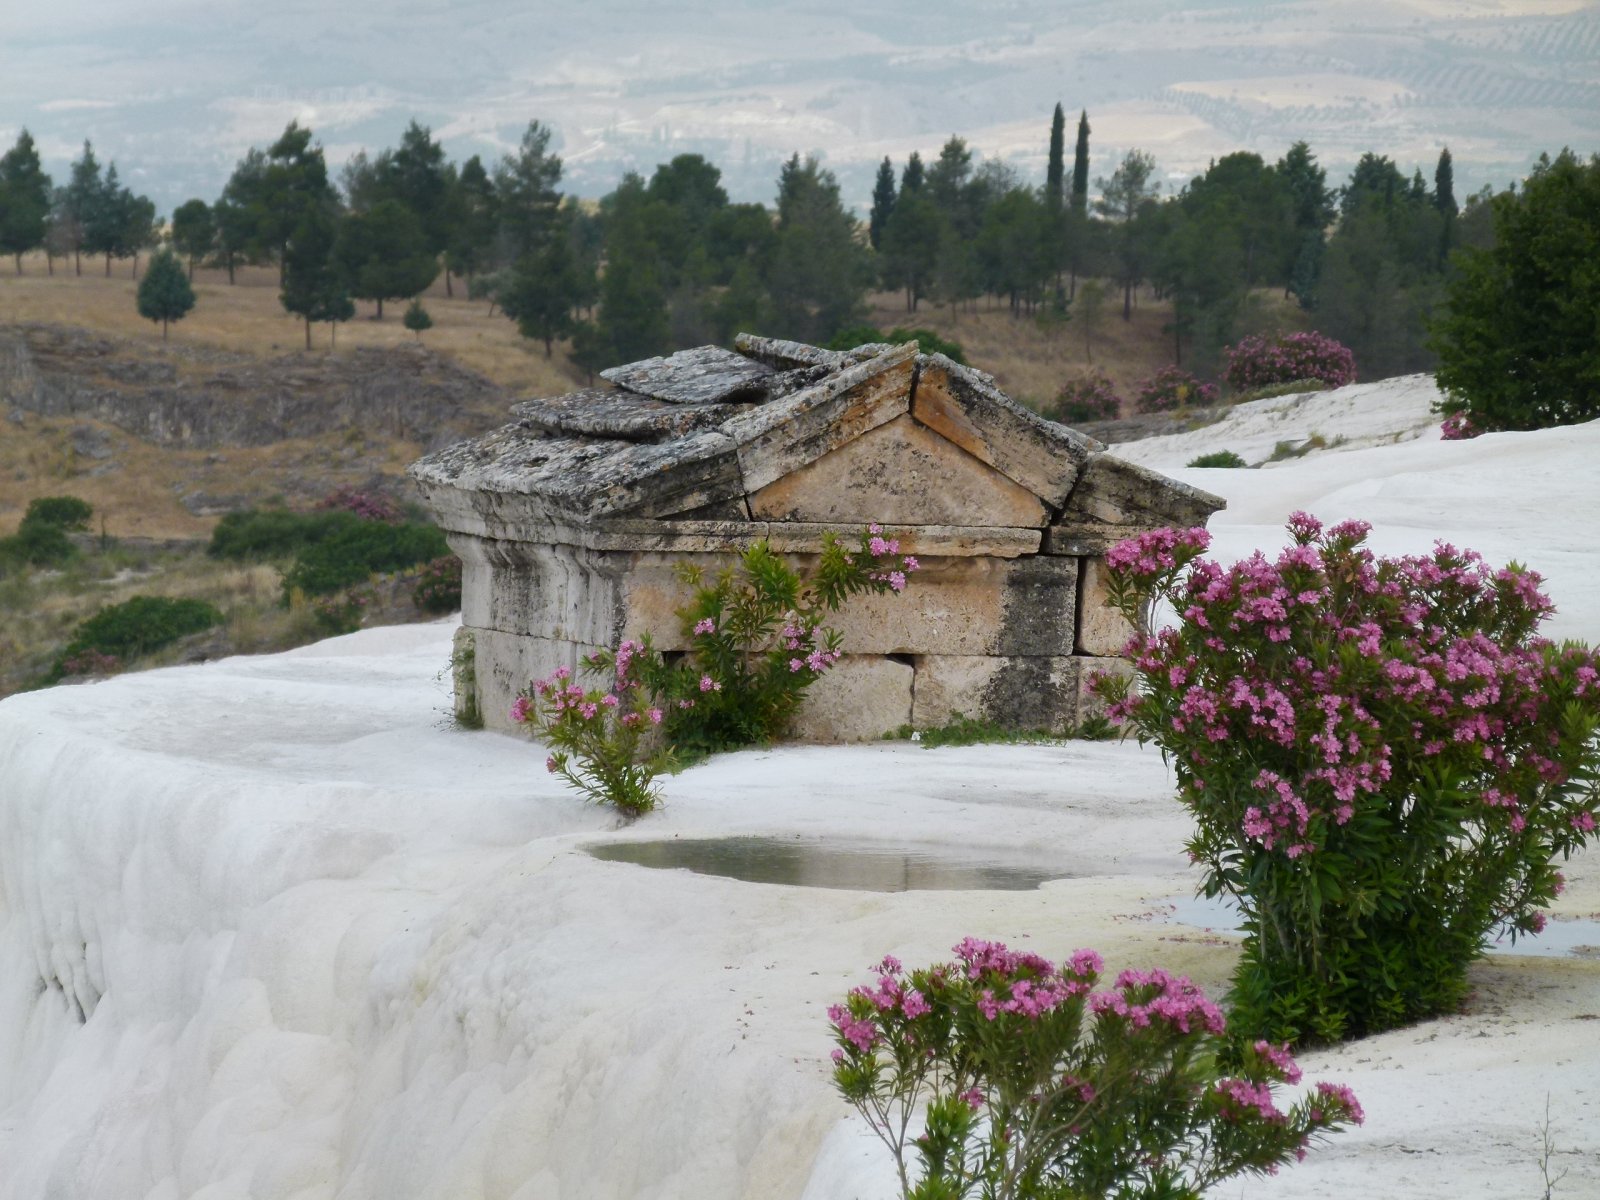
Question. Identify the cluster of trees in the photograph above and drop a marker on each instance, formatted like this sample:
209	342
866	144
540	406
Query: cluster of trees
668	261
93	214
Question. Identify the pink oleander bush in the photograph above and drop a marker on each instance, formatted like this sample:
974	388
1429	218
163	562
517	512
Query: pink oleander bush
1031	1081
438	587
369	506
1086	398
1172	388
1260	361
1382	757
756	643
1458	427
599	737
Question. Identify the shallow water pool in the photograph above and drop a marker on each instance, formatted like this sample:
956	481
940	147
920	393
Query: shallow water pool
861	866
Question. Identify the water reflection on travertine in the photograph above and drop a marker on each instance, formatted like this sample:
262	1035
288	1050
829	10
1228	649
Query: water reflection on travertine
831	863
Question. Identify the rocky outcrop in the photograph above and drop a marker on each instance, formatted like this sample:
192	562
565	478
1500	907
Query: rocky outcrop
199	399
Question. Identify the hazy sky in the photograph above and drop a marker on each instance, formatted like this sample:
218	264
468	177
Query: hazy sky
176	90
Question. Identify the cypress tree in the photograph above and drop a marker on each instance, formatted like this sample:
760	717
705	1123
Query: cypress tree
1080	167
1055	174
1444	185
882	203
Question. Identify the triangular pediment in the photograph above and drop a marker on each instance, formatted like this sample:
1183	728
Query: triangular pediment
898	473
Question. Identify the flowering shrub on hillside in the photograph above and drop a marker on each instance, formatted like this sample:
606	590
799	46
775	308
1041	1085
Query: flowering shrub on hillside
1038	1085
1381	757
1259	361
1173	387
1086	398
369	506
438	587
757	643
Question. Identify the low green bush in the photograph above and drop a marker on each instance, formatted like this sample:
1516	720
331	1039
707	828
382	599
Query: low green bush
927	340
67	513
357	550
36	545
1218	458
263	533
138	626
41	540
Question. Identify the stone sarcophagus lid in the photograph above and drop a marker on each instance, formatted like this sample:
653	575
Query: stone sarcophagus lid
570	521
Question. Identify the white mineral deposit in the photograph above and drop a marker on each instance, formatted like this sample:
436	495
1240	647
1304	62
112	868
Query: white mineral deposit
274	928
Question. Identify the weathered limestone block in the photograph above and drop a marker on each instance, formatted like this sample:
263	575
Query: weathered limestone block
506	663
1102	630
576	478
464	678
859	699
965	407
1114	492
954	541
607	413
899	473
968	606
1014	691
784	435
703	375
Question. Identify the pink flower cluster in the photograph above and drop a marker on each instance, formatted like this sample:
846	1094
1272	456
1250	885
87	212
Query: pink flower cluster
369	506
1171	388
1346	665
1458	427
1085	399
1146	997
1259	361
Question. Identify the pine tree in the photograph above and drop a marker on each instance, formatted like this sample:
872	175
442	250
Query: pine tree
164	293
193	231
525	191
25	195
314	283
82	197
417	318
385	254
883	195
911	179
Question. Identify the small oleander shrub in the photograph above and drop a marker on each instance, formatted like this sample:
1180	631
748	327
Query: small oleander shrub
1260	361
1173	388
757	643
1084	399
1382	757
1458	427
369	506
1218	458
438	587
601	739
1029	1082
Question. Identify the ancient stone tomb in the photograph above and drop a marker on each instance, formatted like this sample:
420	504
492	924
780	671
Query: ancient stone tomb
570	520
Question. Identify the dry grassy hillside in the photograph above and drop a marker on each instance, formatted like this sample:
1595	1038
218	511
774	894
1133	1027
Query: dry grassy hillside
247	318
1032	358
